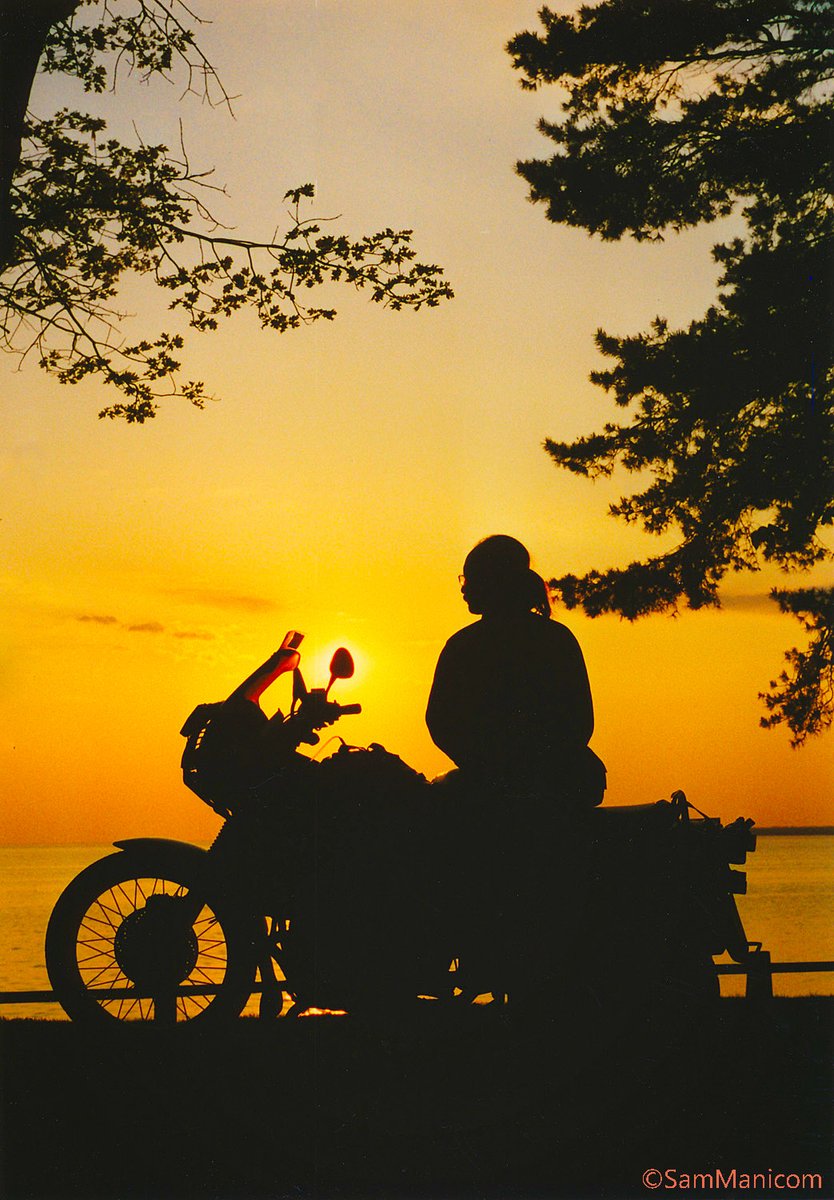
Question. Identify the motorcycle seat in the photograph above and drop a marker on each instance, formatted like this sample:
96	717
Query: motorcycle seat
631	820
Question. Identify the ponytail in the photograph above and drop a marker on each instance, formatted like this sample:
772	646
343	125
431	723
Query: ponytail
539	596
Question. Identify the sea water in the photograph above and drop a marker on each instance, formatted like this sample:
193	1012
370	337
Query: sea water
788	908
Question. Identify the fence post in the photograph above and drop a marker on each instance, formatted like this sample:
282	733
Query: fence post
759	976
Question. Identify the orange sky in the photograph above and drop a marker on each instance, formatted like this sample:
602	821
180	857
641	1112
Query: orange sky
338	485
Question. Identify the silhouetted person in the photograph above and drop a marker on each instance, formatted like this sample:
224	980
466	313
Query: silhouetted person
511	706
510	697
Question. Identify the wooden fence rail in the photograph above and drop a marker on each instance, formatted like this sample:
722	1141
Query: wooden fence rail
759	972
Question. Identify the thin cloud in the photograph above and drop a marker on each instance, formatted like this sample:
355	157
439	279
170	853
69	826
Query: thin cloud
111	622
749	602
217	598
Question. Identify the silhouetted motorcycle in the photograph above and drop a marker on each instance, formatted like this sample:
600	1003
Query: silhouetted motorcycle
335	884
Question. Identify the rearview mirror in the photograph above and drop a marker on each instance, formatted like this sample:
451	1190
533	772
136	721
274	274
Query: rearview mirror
341	664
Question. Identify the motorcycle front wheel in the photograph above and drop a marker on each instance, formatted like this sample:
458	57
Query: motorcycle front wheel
140	936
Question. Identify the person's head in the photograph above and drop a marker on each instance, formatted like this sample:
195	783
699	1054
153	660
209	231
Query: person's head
497	579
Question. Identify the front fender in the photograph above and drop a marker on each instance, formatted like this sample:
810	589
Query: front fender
166	845
169	854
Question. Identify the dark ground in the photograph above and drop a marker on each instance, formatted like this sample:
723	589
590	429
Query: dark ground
466	1105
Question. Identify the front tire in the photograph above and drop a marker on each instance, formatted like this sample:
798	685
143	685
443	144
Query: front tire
143	935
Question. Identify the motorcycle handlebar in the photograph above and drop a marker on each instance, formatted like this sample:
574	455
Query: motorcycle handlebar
349	710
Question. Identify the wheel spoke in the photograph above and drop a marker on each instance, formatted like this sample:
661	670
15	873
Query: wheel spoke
90	981
214	955
119	894
94	956
107	977
201	975
107	918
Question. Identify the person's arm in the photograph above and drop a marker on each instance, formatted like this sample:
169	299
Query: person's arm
584	705
575	707
448	715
